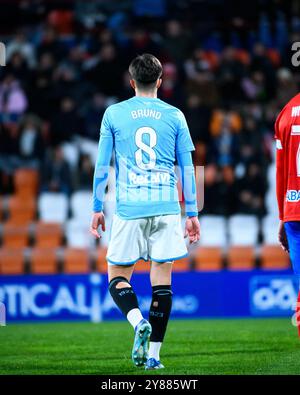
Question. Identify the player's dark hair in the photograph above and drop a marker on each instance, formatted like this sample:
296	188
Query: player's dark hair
145	69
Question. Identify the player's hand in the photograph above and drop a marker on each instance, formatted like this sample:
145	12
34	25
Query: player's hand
97	220
282	237
192	229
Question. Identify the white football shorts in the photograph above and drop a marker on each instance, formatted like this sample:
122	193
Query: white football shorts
159	238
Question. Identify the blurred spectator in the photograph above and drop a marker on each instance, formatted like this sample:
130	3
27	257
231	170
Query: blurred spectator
9	155
255	87
171	90
41	94
31	143
200	79
261	63
126	91
56	175
50	44
86	173
9	142
204	86
251	191
286	87
13	101
21	45
177	42
212	188
228	191
66	123
219	191
141	41
93	115
17	66
251	135
224	128
229	75
101	38
67	82
108	66
198	117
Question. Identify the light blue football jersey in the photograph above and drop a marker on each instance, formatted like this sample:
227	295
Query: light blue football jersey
146	134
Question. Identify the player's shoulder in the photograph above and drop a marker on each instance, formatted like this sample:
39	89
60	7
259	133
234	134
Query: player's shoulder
172	112
169	107
287	116
295	100
292	108
117	107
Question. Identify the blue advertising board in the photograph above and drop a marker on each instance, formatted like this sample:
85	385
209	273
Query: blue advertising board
196	294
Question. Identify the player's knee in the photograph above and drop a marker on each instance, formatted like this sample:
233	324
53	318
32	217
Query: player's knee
162	264
123	294
161	273
162	290
123	285
160	280
161	298
119	283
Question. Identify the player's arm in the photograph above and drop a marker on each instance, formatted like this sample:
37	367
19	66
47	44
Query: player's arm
101	173
187	175
184	146
280	193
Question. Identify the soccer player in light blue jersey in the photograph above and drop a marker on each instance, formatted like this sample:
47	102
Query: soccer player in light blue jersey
147	136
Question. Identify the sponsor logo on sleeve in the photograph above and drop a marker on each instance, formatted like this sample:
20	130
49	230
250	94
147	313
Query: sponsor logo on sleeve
293	196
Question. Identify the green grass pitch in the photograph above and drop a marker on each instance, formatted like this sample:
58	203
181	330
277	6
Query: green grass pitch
237	346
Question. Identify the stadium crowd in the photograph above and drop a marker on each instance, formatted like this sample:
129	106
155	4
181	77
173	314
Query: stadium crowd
230	73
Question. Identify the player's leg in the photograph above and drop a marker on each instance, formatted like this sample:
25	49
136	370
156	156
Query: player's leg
160	310
126	299
292	230
122	293
127	245
166	244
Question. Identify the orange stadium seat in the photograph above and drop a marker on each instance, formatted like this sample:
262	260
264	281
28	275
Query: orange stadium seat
14	235
26	182
76	260
21	209
11	261
273	257
48	235
43	261
101	262
240	258
208	258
